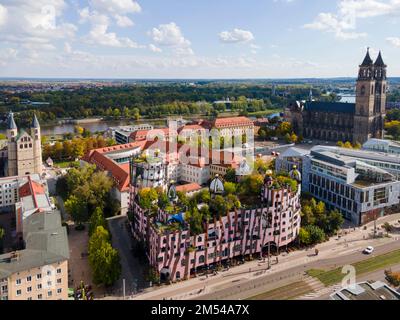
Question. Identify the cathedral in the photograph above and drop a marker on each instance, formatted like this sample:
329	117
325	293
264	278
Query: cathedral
24	150
338	121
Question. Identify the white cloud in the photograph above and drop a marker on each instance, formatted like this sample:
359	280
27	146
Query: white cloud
394	41
236	36
99	34
34	21
3	15
116	6
123	21
117	9
154	48
330	23
170	35
7	55
343	23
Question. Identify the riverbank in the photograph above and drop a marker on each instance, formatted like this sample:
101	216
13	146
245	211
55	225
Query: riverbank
101	124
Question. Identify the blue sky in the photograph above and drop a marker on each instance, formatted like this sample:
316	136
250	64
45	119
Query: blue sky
195	39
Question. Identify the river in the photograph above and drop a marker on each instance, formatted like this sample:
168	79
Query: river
60	129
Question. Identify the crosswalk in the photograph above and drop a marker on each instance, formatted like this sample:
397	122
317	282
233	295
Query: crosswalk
319	289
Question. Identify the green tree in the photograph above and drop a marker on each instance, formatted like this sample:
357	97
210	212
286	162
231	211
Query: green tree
304	237
3	136
195	219
230	175
103	258
204	196
146	197
100	185
230	188
219	206
307	215
334	222
317	235
232	202
77	209
183	199
96	220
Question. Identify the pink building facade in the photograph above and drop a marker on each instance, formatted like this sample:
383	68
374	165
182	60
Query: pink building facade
247	231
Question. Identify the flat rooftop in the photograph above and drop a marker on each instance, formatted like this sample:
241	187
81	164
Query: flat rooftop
367	291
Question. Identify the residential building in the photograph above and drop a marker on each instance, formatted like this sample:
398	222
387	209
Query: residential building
40	270
177	254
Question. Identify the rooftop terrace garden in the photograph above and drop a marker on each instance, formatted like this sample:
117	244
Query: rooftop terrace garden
204	206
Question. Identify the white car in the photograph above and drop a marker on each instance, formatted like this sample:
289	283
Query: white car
368	250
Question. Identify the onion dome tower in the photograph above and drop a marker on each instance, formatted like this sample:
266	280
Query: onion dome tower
295	174
217	186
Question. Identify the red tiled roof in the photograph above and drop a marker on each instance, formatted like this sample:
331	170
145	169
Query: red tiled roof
30	188
194	127
118	147
144	134
190	187
118	172
232	121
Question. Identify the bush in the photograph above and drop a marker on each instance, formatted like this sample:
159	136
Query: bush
393	277
317	235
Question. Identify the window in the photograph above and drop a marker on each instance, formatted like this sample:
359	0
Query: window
18	292
59	291
28	278
39	286
18	282
59	281
29	289
39	276
59	270
40	296
49	293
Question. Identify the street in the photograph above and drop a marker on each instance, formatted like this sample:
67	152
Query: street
132	269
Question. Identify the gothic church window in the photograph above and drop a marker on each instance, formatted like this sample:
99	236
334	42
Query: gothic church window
362	90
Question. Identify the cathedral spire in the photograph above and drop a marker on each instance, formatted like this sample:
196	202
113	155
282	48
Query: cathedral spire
10	122
379	61
367	60
35	122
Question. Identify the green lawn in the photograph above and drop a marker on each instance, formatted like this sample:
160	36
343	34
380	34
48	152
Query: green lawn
331	277
64	164
265	112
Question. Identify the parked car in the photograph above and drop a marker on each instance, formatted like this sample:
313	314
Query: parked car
368	250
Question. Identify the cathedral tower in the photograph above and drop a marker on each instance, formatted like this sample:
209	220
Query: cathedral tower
370	99
12	133
37	145
24	150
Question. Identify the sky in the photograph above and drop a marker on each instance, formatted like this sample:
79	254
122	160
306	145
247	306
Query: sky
195	38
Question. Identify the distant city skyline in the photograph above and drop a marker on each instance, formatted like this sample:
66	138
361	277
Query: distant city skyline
153	39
